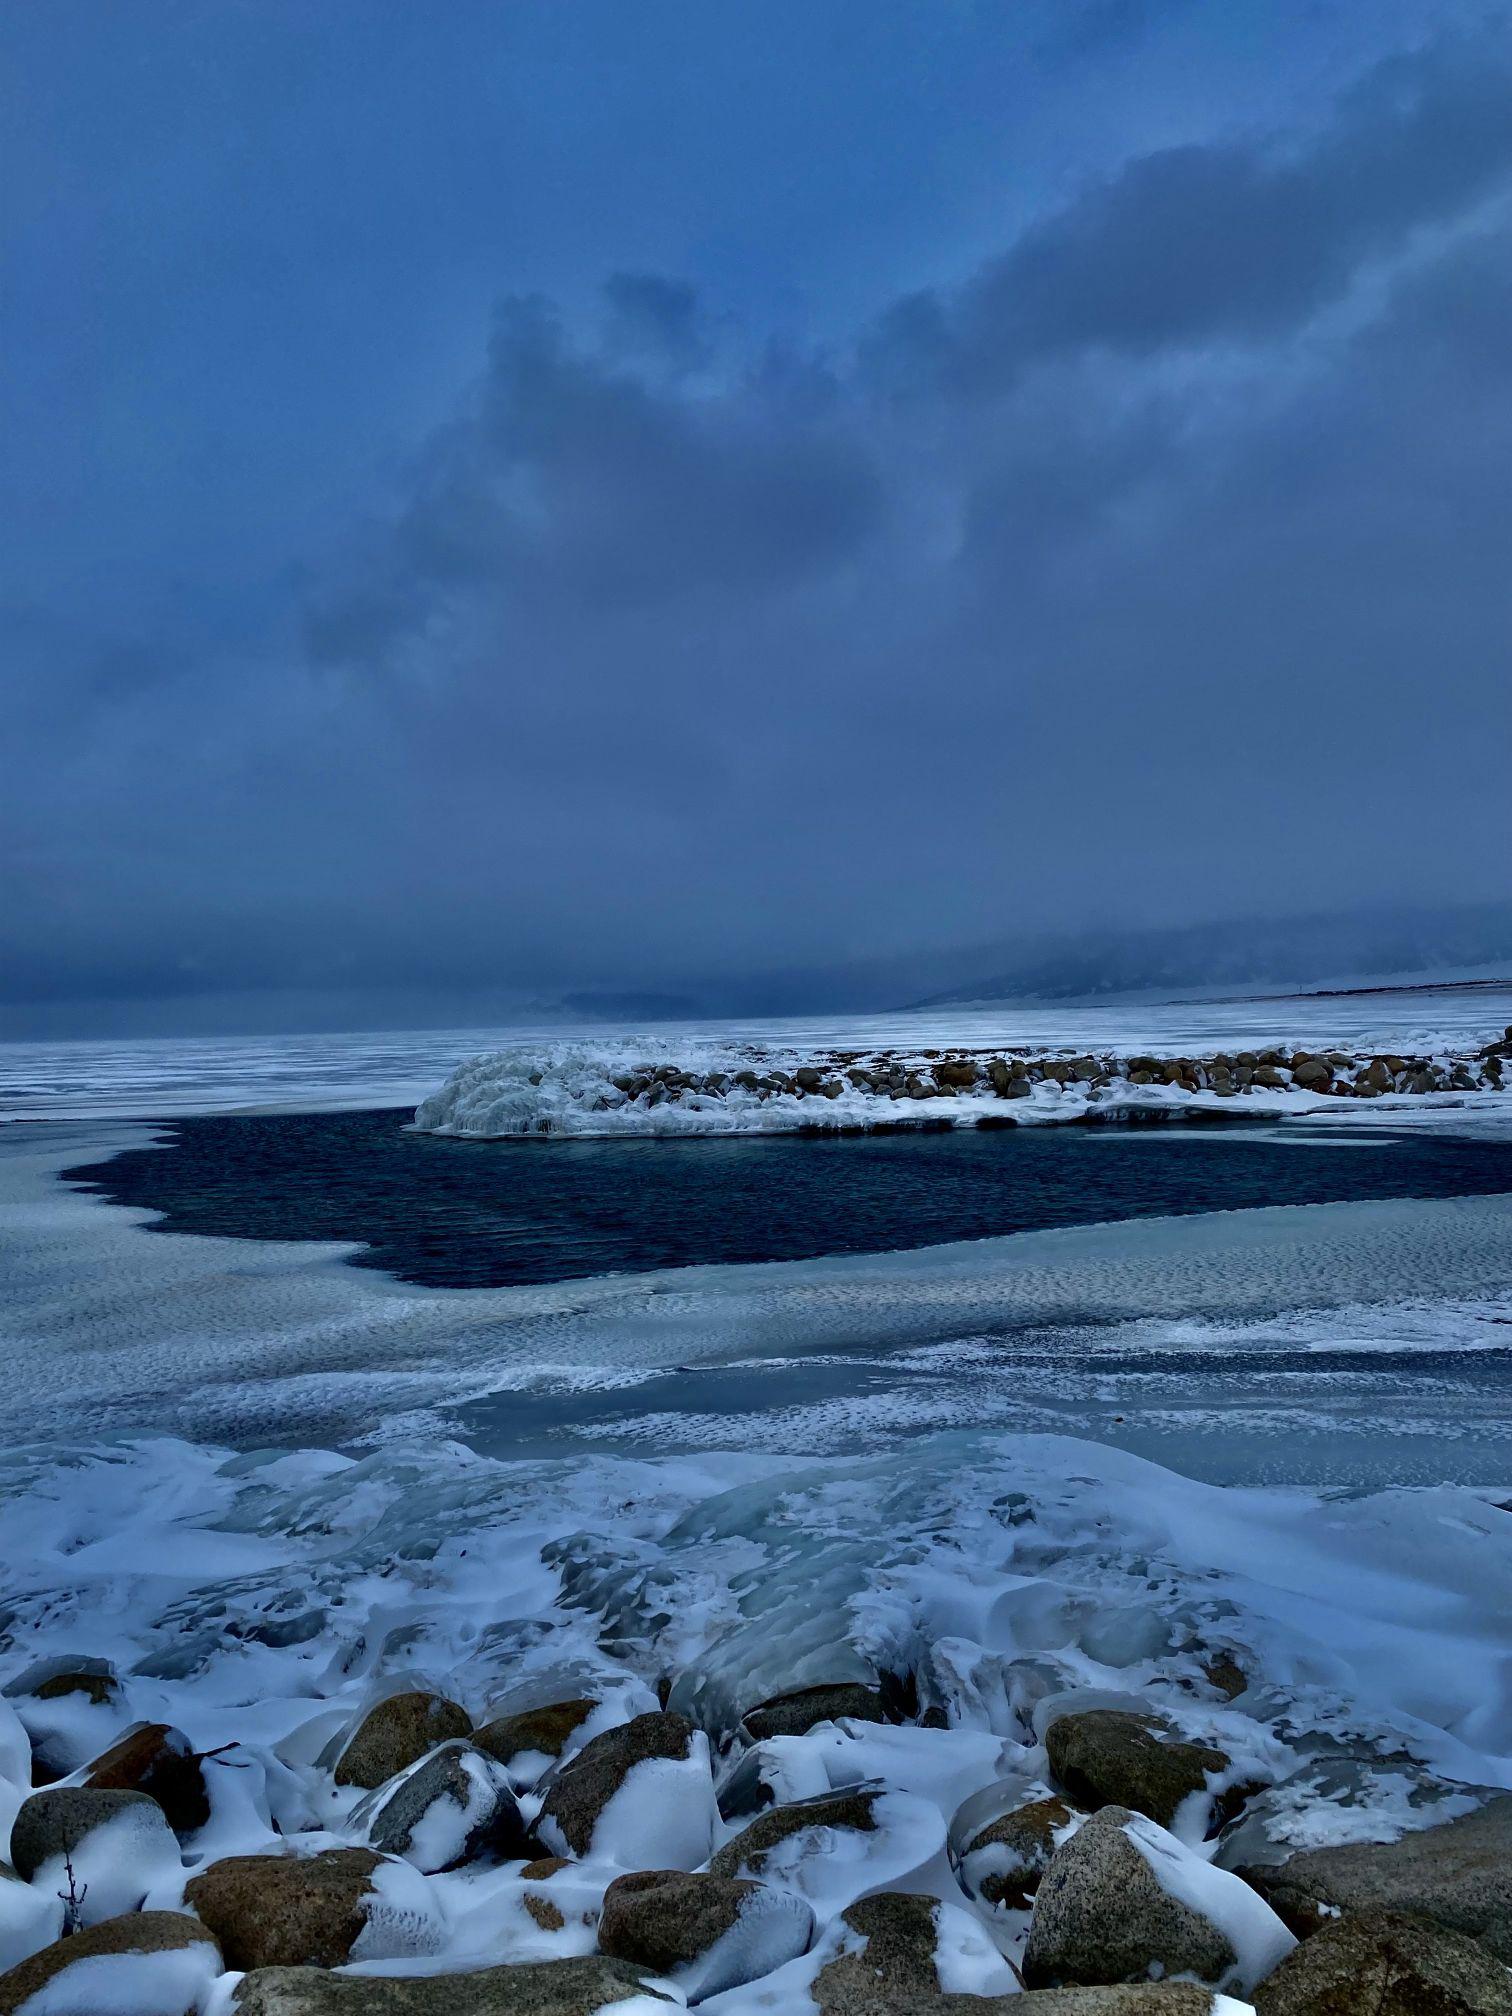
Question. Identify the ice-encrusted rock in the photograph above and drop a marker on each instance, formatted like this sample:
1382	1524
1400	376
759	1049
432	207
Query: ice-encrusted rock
1124	1898
1382	1963
641	1794
1111	1757
1225	1675
56	1678
455	1806
118	1845
543	1731
707	1933
903	1953
1337	1798
1002	1863
579	1987
314	1910
1458	1875
752	1781
795	1714
148	1963
851	1808
154	1758
397	1733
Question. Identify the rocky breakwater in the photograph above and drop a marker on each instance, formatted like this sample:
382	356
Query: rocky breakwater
566	1089
932	1077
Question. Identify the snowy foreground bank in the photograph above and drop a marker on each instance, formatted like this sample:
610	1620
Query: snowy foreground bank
624	1089
893	1734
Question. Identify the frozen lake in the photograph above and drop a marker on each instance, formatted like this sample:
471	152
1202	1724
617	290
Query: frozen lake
1320	1302
1030	1409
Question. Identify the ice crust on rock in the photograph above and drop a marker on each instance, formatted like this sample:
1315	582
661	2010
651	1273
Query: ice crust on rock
455	1805
1259	1939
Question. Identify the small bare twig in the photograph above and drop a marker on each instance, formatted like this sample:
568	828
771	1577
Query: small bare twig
72	1898
218	1756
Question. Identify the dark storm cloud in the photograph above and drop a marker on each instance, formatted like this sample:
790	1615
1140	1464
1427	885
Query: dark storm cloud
1232	243
573	479
1155	570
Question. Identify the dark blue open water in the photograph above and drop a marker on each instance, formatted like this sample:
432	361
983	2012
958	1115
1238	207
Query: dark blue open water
447	1213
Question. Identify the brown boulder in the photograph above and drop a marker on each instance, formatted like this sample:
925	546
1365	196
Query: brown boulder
580	1987
286	1910
396	1734
1109	1757
1382	1963
680	1925
55	1821
543	1731
156	1759
795	1714
1458	1875
585	1784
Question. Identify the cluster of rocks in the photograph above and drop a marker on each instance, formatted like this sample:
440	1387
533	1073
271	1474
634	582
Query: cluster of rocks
936	1075
1095	1882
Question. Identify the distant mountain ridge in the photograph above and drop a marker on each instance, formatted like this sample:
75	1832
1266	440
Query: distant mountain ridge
1332	949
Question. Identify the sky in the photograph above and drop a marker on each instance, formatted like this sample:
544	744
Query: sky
507	501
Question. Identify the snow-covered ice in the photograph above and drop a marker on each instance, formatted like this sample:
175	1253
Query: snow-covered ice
156	1076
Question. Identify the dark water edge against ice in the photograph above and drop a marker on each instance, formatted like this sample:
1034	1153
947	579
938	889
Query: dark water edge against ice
453	1214
1343	1343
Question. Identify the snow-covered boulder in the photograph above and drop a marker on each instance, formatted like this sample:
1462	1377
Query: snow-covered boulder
841	1845
453	1807
851	1810
145	1963
1123	1900
542	1732
397	1733
903	1952
286	1910
1003	1863
641	1795
102	1850
795	1714
706	1933
29	1918
1338	1799
1109	1757
71	1706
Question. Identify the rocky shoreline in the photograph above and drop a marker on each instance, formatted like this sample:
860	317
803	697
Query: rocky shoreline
850	1090
952	1074
665	1865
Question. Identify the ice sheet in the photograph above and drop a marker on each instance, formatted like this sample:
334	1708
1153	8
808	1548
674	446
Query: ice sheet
262	1342
398	1067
